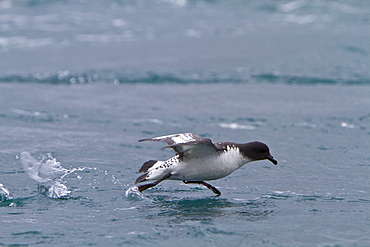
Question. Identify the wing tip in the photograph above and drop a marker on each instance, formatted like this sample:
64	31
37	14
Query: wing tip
150	139
143	140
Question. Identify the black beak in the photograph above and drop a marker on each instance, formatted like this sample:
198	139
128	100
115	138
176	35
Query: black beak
270	158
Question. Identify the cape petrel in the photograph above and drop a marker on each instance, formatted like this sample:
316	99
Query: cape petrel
198	159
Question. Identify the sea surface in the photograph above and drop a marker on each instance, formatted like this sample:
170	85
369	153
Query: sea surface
82	81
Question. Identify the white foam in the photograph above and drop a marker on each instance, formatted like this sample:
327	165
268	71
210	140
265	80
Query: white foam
237	126
347	125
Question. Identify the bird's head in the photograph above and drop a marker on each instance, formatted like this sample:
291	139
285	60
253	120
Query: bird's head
257	151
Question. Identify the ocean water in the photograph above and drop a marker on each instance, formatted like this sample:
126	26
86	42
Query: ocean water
82	81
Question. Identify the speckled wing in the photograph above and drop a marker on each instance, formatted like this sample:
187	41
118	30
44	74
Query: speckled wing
187	144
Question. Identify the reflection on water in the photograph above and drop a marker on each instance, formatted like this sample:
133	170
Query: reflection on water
181	209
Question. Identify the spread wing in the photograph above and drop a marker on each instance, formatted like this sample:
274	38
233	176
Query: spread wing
187	144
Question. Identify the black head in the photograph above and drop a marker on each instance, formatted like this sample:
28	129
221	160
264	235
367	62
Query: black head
257	151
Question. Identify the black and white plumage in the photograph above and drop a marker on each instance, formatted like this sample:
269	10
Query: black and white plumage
198	159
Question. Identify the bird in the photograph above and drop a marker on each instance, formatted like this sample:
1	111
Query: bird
198	159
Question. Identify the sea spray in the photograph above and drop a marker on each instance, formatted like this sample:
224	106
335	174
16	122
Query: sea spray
49	173
4	193
47	169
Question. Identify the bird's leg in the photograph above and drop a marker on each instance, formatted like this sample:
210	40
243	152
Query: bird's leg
147	186
216	191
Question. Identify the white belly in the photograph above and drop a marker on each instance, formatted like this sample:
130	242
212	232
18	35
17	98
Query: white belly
209	168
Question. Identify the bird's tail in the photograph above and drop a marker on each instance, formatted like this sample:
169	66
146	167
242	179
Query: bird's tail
148	174
145	167
142	178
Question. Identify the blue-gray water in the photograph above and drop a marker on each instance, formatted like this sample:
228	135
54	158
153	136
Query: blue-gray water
82	81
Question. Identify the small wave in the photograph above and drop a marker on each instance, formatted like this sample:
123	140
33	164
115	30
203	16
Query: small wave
66	77
306	80
36	116
149	77
59	77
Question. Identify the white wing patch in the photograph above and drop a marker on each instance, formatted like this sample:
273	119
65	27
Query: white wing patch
175	138
186	143
184	138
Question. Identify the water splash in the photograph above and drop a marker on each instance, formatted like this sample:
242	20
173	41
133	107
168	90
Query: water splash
4	193
133	193
56	189
49	173
47	169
